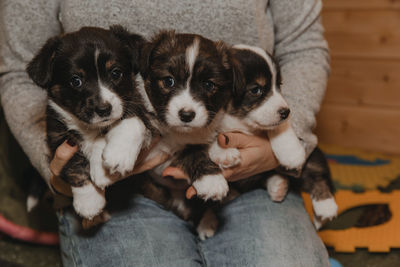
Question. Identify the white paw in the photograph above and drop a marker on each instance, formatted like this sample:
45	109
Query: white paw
120	158
325	209
99	176
208	225
277	187
294	159
100	218
225	158
317	223
214	187
205	231
88	200
124	143
287	147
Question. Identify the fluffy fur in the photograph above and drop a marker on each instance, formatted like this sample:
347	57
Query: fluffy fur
258	106
93	100
188	81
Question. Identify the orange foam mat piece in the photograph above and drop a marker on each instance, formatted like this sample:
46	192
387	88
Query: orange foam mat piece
379	238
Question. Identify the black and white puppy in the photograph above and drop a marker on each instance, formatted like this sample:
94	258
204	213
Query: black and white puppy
259	107
188	81
93	100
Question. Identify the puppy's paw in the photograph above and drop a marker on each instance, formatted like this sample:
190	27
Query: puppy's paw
205	231
324	210
277	187
208	225
294	159
225	158
96	220
214	187
118	157
100	177
88	200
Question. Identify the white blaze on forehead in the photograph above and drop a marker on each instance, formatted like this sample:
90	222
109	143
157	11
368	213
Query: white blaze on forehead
106	95
185	100
191	54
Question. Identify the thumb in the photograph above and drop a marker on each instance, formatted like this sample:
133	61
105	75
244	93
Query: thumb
234	140
63	154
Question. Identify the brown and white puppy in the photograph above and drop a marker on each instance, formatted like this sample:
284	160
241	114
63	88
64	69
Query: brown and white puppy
92	99
258	107
188	81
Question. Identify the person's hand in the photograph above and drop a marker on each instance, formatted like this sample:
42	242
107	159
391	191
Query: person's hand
67	149
255	153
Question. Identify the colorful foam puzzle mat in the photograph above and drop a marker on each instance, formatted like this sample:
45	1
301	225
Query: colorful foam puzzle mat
355	170
358	170
379	238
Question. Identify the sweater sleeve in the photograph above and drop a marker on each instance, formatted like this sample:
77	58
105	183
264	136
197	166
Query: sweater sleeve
302	53
24	28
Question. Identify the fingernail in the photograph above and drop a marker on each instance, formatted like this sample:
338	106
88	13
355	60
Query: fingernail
71	142
226	139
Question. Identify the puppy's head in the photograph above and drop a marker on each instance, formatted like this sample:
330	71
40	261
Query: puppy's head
257	98
89	73
188	79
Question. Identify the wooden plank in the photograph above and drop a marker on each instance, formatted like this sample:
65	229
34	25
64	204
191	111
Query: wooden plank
361	4
363	34
364	82
360	127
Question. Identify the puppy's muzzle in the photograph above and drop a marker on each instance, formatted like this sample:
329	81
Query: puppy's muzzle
186	115
104	109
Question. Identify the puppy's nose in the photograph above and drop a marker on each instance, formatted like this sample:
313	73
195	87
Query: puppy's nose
284	113
186	115
104	109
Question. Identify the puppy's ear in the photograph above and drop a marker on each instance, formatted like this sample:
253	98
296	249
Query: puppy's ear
133	41
41	67
161	43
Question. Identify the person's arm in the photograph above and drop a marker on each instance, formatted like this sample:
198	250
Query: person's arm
24	28
302	53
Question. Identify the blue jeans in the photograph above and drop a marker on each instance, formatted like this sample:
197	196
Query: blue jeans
254	231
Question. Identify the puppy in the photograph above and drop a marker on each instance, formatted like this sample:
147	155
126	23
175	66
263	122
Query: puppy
90	77
258	106
188	80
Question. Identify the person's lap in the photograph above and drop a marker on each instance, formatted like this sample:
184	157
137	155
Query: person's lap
254	231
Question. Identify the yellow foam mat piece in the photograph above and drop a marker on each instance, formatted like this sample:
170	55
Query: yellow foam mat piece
379	238
369	177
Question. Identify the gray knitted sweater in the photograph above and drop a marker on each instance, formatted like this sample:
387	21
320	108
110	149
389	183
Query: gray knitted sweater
290	29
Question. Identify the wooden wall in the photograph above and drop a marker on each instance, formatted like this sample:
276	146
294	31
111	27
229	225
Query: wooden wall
362	104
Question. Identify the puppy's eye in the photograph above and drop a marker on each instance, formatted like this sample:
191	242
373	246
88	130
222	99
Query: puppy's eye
169	82
75	81
256	91
209	86
116	73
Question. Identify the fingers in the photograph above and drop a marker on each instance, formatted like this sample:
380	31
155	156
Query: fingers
237	140
151	163
60	186
175	172
63	154
191	192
